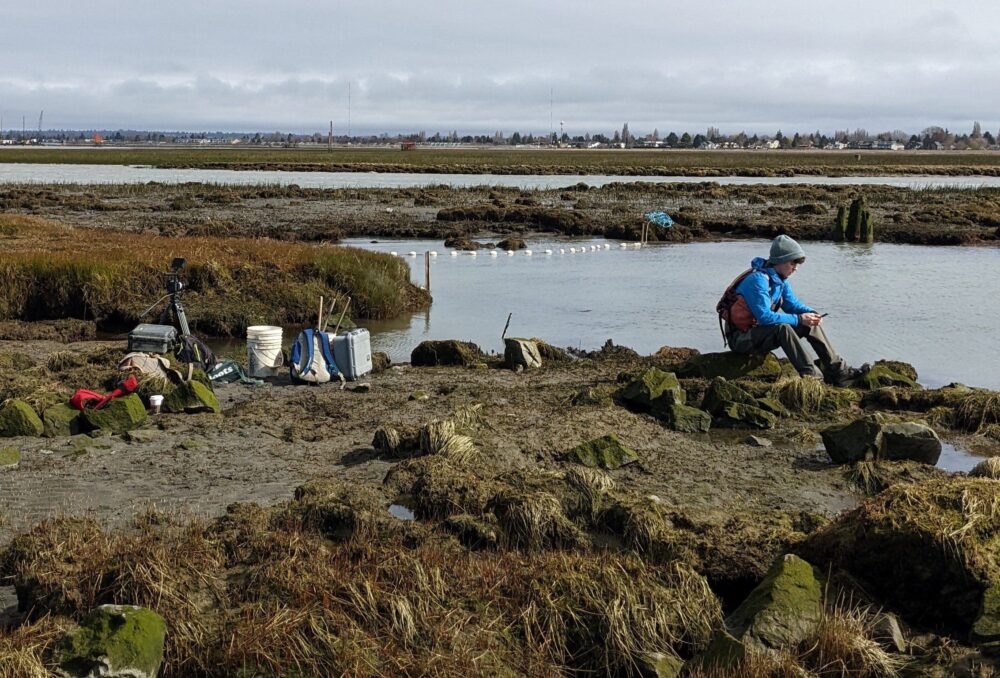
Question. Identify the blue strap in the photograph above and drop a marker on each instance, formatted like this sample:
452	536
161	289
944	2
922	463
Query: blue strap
307	334
324	343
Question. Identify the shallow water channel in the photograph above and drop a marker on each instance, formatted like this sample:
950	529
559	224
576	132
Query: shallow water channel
16	173
924	305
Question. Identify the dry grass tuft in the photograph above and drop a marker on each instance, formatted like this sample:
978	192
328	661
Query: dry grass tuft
988	468
23	650
978	411
842	645
534	520
800	395
867	477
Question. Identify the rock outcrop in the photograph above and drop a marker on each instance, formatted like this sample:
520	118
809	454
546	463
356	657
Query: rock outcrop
875	437
119	415
17	418
119	641
446	352
607	452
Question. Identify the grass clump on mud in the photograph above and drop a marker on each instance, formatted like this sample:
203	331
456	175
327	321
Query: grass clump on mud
54	272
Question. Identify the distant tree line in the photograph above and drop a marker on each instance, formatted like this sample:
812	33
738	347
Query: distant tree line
930	138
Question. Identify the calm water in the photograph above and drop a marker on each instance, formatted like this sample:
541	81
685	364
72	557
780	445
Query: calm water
923	305
122	174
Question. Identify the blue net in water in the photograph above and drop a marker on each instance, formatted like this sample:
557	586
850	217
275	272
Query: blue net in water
661	219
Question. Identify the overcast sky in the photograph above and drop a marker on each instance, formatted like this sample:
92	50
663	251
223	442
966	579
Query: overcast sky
473	66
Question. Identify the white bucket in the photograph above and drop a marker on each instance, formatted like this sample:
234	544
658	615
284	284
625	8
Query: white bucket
264	355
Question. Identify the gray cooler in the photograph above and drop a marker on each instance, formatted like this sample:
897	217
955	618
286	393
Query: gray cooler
148	338
352	351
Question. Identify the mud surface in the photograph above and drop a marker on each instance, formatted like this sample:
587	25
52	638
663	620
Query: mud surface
704	211
272	438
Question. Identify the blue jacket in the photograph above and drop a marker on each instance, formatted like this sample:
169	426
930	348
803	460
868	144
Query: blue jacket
762	289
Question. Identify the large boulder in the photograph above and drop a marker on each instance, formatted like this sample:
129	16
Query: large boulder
926	550
779	614
681	417
122	641
731	365
910	440
17	418
119	415
511	244
783	610
858	440
874	437
62	420
446	352
722	393
607	452
521	353
191	396
652	385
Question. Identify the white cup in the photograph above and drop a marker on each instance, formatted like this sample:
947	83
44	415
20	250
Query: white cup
155	401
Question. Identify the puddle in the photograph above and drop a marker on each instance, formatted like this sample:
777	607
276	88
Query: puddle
401	512
958	458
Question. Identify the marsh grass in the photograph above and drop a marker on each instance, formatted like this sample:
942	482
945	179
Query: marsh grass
51	271
978	411
867	477
800	395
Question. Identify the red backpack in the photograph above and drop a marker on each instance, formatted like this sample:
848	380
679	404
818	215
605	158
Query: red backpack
732	308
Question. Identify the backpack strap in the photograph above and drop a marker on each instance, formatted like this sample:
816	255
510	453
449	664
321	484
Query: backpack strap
331	364
307	336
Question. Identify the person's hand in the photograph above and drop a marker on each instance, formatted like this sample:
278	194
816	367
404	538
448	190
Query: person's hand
810	319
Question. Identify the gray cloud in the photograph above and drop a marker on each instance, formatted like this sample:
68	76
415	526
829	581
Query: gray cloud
477	66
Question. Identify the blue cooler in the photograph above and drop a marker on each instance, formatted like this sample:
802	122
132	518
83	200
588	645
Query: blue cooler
352	351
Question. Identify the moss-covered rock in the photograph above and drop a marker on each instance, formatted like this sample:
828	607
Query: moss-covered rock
987	468
875	437
740	415
783	610
681	417
722	393
659	665
885	373
17	418
62	420
9	458
774	406
927	550
447	352
607	452
115	640
731	365
191	396
857	441
651	385
119	415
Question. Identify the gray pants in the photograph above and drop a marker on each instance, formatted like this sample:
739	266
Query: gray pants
789	339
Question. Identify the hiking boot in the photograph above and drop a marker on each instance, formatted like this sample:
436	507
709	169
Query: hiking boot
849	376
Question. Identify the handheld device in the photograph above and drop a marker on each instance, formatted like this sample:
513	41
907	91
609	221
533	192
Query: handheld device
823	315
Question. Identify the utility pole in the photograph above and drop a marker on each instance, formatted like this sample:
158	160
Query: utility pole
329	138
551	130
348	113
40	115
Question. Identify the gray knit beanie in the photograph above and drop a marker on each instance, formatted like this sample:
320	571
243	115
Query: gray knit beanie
785	249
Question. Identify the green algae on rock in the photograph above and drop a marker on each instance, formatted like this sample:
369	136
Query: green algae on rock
9	458
731	366
62	420
739	415
115	640
721	393
650	386
783	610
17	418
607	452
191	396
681	418
118	416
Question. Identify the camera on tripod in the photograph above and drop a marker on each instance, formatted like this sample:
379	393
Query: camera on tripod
163	337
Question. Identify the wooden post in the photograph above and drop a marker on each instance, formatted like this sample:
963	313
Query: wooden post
427	271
